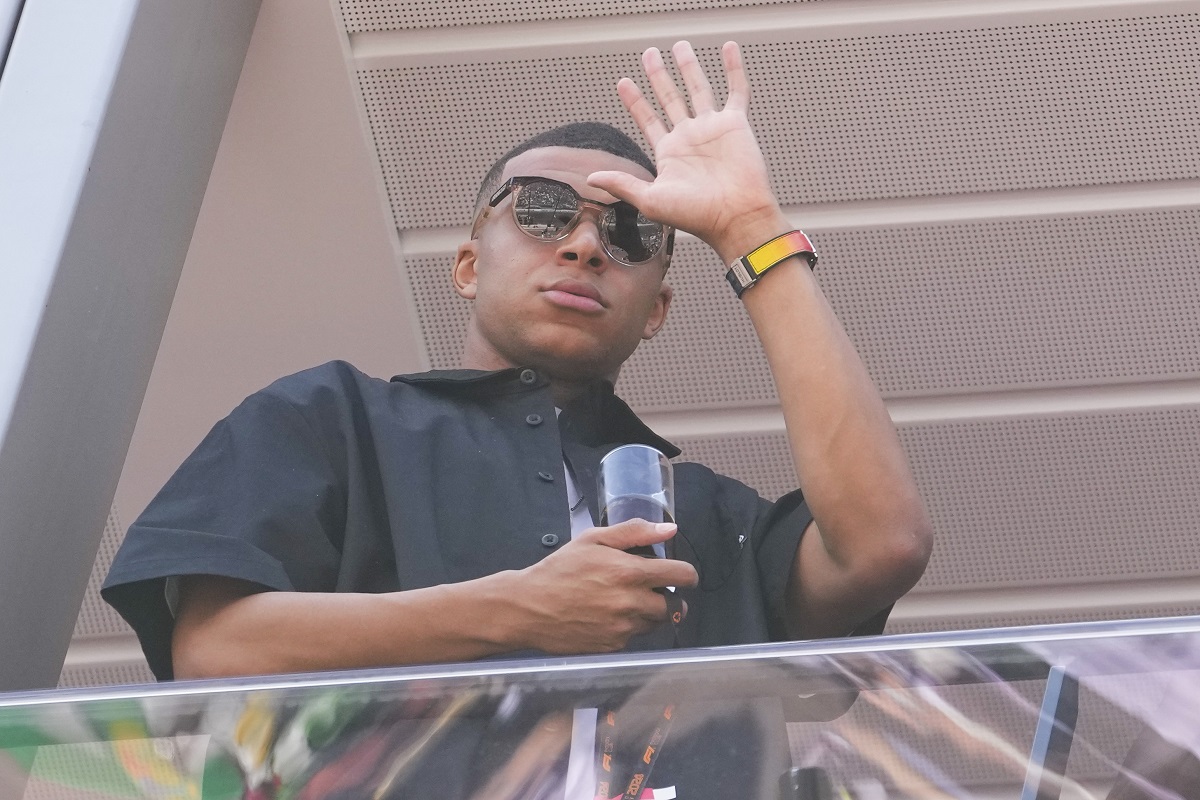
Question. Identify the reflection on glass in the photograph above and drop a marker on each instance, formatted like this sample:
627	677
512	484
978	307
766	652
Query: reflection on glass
953	716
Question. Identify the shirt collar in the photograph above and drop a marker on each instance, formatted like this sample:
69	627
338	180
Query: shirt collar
451	378
598	417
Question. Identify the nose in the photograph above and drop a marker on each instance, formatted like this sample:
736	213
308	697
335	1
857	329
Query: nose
583	243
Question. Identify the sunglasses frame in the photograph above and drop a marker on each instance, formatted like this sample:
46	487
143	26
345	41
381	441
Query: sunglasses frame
514	184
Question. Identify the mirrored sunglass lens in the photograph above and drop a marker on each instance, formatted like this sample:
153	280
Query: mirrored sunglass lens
631	237
545	209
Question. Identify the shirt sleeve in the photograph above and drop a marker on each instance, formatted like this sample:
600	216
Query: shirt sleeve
777	535
743	548
259	500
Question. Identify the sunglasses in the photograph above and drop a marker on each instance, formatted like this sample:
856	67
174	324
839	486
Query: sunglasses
548	210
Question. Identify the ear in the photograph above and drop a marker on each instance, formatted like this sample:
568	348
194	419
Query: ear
658	314
464	273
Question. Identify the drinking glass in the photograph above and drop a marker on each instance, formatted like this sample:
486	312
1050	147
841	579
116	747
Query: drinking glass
636	481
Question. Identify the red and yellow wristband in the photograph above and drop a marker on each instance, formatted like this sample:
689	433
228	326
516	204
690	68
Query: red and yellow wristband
745	272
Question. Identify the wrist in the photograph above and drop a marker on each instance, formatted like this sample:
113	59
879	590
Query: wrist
503	621
750	232
476	615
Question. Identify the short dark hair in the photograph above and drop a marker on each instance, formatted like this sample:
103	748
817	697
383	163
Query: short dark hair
580	135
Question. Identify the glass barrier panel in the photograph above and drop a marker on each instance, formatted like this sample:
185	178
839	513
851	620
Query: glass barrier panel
1107	710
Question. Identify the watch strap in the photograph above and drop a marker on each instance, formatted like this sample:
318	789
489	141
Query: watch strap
745	271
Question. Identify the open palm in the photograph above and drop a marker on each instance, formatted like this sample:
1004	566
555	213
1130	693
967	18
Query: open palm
711	172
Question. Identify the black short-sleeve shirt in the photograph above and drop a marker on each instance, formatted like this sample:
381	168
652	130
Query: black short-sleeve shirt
330	480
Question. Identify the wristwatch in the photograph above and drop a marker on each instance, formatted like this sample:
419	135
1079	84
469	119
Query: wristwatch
745	271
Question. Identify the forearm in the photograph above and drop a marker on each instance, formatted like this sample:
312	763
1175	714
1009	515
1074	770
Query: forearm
588	597
845	448
872	529
220	633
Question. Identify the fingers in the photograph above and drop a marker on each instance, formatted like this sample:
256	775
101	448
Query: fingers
674	104
670	99
632	533
735	74
647	572
664	572
647	119
622	186
662	606
694	78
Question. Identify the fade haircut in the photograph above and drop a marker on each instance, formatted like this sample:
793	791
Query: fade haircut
580	135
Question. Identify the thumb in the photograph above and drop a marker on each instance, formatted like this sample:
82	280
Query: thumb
621	185
633	533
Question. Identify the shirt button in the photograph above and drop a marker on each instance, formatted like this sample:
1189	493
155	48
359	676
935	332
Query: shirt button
546	476
550	540
528	376
534	419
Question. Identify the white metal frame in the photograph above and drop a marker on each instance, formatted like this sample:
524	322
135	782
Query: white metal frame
110	116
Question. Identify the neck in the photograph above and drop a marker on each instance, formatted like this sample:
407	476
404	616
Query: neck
565	385
566	391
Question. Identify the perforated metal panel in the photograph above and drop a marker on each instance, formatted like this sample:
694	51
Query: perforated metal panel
708	354
964	622
105	675
1034	501
444	125
932	309
1057	105
97	618
1105	731
68	759
1020	303
1078	103
381	15
441	314
1061	500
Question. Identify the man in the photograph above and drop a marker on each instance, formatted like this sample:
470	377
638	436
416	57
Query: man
337	521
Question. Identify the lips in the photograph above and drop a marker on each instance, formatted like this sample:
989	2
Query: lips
575	294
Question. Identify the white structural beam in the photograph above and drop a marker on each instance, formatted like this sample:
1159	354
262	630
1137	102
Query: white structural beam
111	112
990	405
10	10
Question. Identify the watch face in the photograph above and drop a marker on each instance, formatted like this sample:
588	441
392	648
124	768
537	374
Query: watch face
740	271
736	283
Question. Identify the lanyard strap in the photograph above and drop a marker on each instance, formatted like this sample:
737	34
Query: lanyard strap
607	736
650	756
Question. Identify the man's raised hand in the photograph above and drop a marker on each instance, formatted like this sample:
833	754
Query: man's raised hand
712	179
